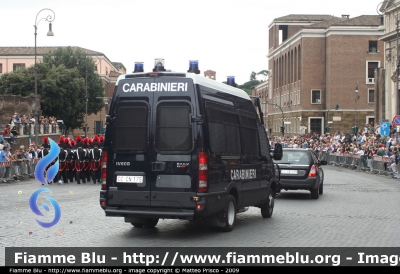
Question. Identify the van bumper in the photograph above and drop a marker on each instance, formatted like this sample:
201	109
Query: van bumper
160	213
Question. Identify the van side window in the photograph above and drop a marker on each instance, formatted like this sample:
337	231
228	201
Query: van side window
173	128
264	143
223	124
249	133
131	130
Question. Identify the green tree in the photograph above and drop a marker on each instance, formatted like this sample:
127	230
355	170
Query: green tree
75	58
63	95
61	85
248	86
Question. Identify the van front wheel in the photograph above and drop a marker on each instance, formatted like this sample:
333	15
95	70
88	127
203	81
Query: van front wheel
229	214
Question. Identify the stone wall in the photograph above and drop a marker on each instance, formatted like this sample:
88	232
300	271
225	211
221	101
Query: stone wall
10	104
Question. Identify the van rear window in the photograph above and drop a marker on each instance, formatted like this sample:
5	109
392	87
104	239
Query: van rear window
173	128
131	131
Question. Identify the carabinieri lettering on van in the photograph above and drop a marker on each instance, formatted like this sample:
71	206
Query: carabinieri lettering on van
122	163
243	174
152	87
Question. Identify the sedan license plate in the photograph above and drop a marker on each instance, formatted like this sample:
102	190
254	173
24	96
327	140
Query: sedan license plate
130	179
284	171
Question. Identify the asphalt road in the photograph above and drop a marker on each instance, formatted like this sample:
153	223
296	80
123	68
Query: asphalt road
356	210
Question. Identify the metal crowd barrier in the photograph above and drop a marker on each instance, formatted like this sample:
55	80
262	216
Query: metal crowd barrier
379	165
19	169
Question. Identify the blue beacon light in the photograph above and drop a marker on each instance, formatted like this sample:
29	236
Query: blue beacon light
194	67
231	81
138	67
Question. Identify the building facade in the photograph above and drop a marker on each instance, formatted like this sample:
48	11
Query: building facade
317	62
390	10
13	58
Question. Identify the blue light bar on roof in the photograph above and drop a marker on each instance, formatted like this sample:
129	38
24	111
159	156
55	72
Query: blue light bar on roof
194	67
231	81
138	67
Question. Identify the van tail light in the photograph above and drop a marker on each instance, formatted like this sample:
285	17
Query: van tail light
203	172
104	170
313	172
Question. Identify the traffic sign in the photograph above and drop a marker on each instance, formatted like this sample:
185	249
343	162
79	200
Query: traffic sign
396	120
384	128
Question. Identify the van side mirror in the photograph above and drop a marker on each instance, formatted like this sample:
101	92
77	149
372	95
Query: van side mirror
109	119
278	152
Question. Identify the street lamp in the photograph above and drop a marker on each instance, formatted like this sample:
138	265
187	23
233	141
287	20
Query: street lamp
283	117
397	48
106	101
36	113
355	112
327	116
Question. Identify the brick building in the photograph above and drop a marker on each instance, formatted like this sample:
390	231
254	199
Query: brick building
12	58
210	74
317	62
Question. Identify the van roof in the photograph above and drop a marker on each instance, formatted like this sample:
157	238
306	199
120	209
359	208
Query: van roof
201	80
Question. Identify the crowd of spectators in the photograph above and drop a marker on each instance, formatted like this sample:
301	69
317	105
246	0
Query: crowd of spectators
368	143
12	128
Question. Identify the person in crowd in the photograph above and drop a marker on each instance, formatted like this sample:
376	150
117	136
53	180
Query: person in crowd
7	133
4	159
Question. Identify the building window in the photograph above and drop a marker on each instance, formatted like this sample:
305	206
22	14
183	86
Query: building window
373	47
315	97
371	66
371	96
18	66
1	68
298	97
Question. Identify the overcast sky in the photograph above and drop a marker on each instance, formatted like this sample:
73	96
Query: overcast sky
229	37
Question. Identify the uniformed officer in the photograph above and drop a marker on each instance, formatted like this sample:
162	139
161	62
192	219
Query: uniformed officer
80	156
62	161
95	159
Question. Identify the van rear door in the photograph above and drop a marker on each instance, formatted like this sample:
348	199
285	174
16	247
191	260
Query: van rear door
130	145
174	179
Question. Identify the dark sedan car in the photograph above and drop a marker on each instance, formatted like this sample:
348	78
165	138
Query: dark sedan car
300	169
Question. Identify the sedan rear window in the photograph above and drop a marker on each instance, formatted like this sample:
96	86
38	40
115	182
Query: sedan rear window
295	157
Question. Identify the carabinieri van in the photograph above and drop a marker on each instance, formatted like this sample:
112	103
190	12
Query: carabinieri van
183	146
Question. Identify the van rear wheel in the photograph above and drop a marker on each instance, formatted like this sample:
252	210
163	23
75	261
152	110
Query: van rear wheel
137	225
268	208
150	223
229	214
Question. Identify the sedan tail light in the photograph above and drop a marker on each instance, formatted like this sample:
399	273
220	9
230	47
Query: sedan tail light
313	172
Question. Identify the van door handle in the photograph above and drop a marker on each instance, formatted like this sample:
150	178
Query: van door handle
158	166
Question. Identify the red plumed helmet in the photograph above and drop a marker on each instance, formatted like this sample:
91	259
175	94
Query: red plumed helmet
72	142
45	139
96	138
61	139
89	141
66	141
85	140
78	138
101	138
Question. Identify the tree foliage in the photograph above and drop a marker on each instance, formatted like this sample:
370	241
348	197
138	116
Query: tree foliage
61	85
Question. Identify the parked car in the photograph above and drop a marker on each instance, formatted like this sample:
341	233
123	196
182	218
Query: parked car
300	168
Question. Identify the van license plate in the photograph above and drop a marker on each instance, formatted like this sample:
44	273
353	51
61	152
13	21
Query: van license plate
289	171
130	179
